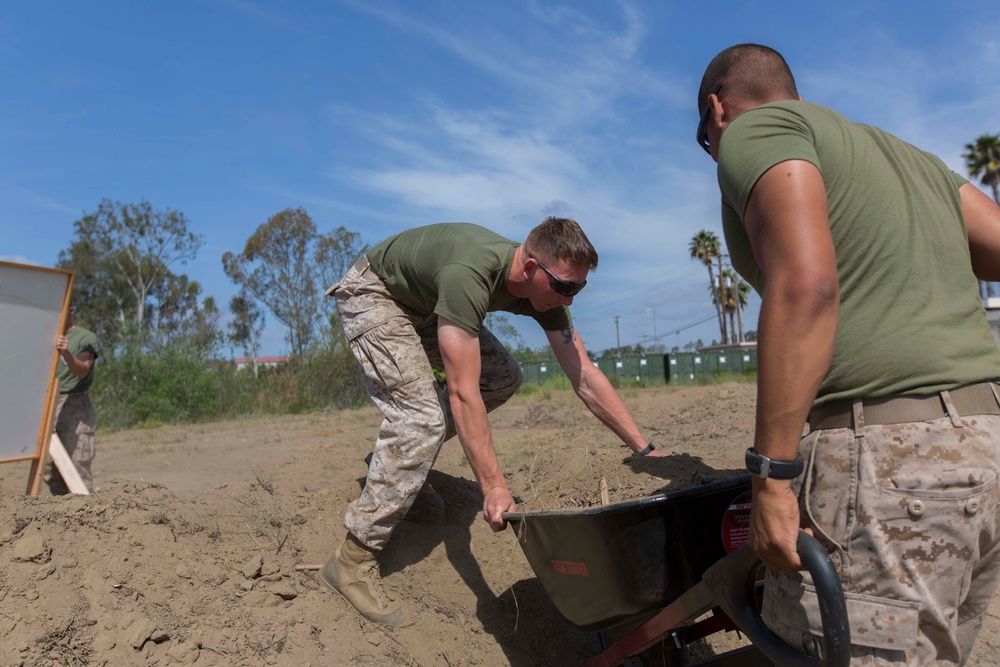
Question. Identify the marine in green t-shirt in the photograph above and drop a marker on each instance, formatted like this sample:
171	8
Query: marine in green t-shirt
75	420
459	271
878	414
911	320
79	340
416	304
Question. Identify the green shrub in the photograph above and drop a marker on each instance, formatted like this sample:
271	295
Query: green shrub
171	386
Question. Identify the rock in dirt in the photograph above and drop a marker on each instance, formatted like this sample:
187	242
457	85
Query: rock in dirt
140	631
252	568
31	548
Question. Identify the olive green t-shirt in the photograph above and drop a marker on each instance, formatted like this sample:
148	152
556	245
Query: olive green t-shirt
911	320
80	340
458	271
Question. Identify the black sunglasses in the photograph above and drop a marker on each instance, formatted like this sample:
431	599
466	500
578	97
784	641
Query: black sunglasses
560	286
702	135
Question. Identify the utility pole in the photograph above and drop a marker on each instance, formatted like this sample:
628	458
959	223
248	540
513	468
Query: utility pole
739	308
653	311
618	340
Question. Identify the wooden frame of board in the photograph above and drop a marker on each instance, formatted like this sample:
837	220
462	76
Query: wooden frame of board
34	302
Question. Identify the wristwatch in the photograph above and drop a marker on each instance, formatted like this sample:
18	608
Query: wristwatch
645	452
764	467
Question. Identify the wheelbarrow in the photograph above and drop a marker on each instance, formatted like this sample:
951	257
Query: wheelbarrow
670	569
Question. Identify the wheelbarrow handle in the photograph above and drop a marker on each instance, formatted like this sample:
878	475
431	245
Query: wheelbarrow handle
732	582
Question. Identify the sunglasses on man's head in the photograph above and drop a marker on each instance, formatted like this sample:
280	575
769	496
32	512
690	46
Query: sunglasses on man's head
702	135
558	285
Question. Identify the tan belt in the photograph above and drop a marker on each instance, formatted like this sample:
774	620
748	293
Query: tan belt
973	399
361	264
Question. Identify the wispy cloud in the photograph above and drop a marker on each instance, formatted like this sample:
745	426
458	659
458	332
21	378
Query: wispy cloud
501	165
569	83
337	205
936	96
265	14
26	196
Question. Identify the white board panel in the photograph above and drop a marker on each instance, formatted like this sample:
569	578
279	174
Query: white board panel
31	310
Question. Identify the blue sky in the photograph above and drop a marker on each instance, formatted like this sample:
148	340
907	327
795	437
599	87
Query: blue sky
380	116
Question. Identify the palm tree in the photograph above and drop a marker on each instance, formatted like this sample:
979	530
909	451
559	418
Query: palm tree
982	159
736	293
704	247
743	294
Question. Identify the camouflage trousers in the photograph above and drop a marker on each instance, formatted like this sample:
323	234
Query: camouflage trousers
75	424
398	350
909	515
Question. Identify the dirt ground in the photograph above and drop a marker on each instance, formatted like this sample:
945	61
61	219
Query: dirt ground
196	547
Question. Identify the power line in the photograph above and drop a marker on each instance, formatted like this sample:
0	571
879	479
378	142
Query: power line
688	326
638	288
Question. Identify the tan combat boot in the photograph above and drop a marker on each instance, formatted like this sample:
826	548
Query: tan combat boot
353	572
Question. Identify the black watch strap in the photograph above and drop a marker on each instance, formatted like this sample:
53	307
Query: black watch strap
764	467
645	452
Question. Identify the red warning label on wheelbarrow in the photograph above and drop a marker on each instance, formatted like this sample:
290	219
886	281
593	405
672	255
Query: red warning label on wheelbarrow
569	567
736	526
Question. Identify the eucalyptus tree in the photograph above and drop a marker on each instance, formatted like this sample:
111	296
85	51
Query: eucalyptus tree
277	267
336	251
286	264
122	257
246	326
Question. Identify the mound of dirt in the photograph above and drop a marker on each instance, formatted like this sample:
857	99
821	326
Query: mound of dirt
705	432
200	546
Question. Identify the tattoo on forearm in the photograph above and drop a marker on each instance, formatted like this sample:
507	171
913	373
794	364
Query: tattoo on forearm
567	334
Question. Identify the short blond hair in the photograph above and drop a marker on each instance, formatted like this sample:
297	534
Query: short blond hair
562	239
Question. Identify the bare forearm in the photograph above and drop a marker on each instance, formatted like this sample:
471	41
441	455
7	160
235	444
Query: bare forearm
593	388
603	401
477	442
797	333
78	367
787	221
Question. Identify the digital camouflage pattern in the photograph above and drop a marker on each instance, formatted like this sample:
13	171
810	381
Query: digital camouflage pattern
909	515
398	350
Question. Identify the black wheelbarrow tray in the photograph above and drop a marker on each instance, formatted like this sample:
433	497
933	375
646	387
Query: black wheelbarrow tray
657	564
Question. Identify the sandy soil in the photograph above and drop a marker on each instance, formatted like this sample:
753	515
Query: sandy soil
192	551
